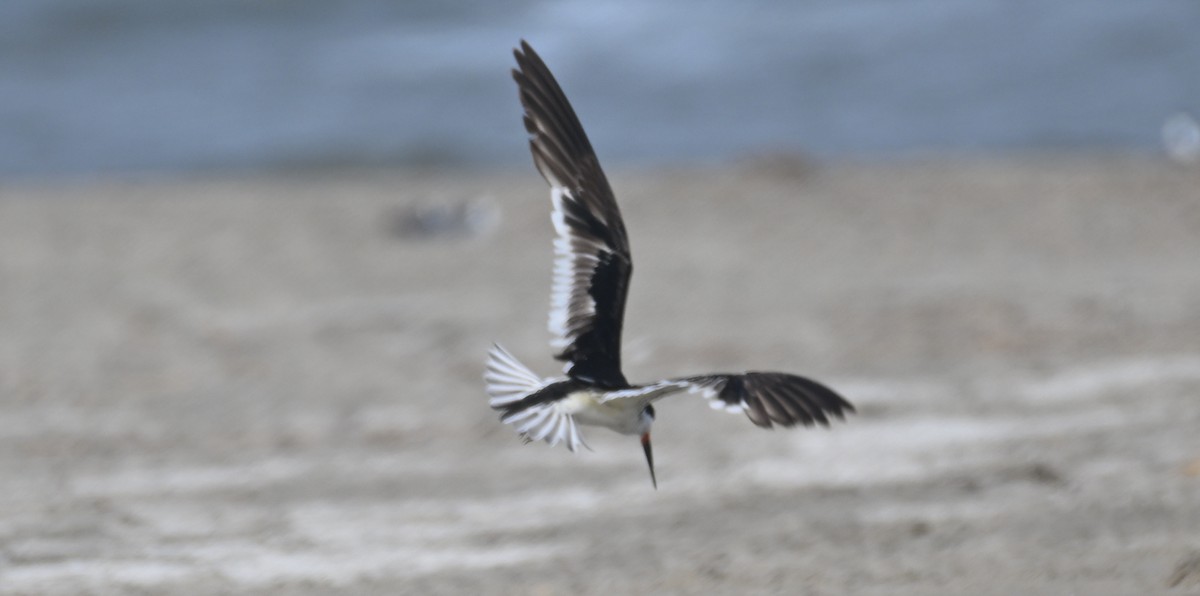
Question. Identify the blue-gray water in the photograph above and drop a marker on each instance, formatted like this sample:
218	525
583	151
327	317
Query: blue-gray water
91	86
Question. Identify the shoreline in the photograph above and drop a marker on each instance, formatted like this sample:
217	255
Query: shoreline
273	383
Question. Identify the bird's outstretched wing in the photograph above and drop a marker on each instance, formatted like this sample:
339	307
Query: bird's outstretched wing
592	262
770	397
767	398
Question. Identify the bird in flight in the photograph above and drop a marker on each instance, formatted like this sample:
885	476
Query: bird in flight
592	265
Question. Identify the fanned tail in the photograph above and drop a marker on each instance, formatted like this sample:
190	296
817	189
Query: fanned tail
509	381
530	403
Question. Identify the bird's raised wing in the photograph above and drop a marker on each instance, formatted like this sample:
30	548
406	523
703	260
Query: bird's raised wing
592	262
767	398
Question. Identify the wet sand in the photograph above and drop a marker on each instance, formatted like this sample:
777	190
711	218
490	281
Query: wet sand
272	385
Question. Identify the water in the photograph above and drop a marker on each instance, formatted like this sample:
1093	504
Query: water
99	86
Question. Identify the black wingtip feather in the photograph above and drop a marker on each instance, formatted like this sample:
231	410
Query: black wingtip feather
777	398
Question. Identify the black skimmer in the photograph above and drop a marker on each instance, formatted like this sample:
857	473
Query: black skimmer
591	279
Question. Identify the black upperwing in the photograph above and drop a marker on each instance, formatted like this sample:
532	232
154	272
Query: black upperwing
770	397
592	261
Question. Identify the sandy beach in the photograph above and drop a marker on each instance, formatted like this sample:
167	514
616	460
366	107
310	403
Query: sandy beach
273	385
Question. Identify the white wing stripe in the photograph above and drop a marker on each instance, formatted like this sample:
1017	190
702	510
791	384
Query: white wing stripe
710	391
575	260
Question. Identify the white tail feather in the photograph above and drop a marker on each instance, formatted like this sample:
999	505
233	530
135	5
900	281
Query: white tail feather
508	382
507	379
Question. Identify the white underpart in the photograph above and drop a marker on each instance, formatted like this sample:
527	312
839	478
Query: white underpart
560	420
575	261
509	381
596	407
